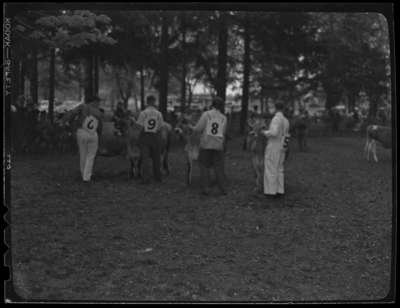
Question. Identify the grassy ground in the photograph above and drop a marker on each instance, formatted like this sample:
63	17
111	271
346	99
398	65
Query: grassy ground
330	239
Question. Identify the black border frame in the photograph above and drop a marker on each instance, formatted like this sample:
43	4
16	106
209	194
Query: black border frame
385	8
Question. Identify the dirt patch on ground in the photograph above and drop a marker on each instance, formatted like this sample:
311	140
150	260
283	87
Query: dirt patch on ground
329	239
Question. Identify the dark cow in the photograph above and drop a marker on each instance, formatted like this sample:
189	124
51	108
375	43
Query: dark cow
382	134
256	144
192	144
111	143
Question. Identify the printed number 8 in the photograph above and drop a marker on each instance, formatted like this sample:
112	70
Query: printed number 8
214	128
151	124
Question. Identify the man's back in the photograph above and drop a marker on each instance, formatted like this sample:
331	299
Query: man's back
212	126
151	119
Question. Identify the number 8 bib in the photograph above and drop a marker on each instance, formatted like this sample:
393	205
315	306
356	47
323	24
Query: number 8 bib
215	127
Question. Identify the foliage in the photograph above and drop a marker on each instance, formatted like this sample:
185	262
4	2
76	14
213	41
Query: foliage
291	53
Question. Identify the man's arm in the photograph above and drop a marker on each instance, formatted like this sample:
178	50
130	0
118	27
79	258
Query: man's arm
273	128
140	119
70	114
201	124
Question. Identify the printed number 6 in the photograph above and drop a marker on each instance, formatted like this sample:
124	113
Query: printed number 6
214	128
151	124
89	125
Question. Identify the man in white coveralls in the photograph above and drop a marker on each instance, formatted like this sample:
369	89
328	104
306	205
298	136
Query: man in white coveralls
87	134
278	138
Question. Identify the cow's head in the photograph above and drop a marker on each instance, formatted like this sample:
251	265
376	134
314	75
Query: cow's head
254	135
183	127
128	123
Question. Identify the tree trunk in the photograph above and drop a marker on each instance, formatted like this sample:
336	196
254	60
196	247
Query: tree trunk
184	69
52	84
246	78
142	102
332	96
164	66
88	78
373	108
34	77
96	75
222	56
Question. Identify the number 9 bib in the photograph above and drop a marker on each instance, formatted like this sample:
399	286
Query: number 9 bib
215	127
150	125
90	124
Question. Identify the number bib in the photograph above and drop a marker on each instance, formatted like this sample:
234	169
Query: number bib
90	124
150	125
215	127
285	142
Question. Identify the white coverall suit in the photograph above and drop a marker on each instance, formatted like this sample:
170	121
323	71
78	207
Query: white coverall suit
277	135
86	135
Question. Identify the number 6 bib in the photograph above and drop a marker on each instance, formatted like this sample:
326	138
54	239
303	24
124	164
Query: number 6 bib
215	127
90	124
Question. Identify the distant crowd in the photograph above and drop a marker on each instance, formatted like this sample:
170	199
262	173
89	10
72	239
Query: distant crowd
32	130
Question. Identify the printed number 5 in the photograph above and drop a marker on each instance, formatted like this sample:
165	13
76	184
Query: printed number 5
151	124
286	142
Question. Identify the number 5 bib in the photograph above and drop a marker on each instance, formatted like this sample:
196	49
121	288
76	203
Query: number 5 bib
215	127
90	124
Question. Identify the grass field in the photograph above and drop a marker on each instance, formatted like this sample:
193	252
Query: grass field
329	239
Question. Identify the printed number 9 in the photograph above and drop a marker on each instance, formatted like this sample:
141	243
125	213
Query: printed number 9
214	128
151	124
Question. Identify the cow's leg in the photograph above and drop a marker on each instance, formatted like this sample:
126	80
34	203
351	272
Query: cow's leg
260	170
257	188
257	173
189	171
370	149
165	162
366	148
138	167
374	151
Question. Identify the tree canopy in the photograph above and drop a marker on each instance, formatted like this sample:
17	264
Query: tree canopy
281	55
